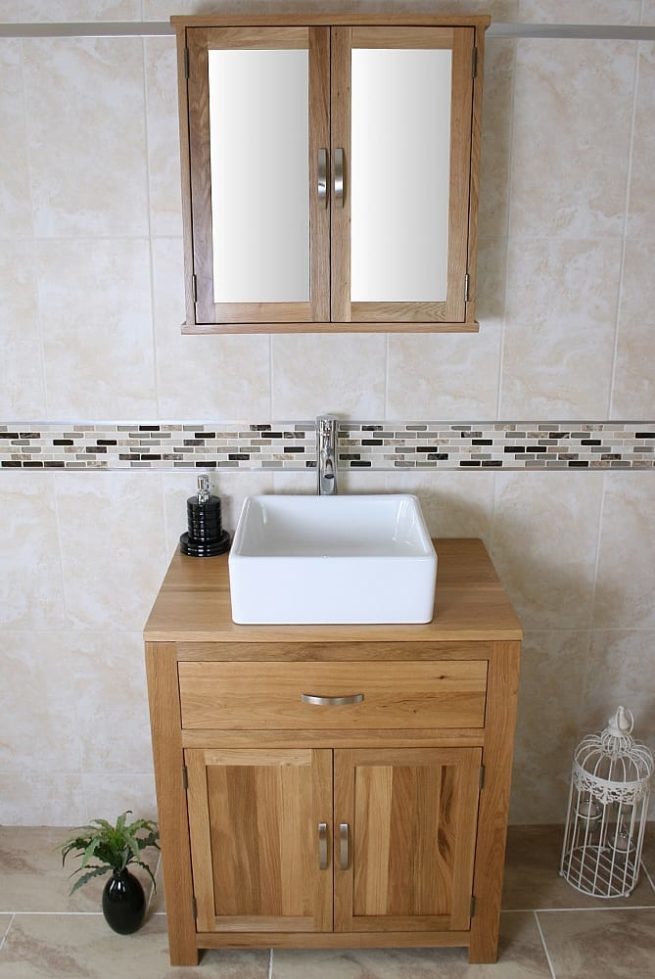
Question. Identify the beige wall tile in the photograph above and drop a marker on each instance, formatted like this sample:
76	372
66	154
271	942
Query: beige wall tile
81	10
491	277
109	687
86	132
108	795
621	671
571	137
305	482
341	373
553	666
11	11
38	704
641	208
53	799
559	333
443	375
579	11
499	56
633	394
648	13
94	296
163	136
454	504
22	392
15	199
544	545
626	560
31	587
112	547
212	377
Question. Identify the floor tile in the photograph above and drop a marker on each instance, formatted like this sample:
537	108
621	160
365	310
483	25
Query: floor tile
521	956
608	944
70	946
532	878
33	878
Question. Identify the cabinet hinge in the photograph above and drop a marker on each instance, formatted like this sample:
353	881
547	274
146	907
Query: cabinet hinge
474	63
186	62
194	907
481	776
185	778
467	283
194	286
472	905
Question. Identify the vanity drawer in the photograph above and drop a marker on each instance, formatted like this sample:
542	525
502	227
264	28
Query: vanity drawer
437	694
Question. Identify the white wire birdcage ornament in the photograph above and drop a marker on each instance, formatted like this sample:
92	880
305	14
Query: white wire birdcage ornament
608	804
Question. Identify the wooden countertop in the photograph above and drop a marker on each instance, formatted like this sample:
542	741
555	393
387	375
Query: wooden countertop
193	605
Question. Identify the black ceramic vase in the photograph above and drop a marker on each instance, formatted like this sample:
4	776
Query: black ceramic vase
123	902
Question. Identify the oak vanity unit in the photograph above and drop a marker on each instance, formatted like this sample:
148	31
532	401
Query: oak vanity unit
333	786
330	162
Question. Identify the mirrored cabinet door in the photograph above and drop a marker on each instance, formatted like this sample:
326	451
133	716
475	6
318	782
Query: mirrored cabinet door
401	158
259	146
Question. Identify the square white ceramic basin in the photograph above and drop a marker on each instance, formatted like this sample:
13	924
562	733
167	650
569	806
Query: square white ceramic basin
332	559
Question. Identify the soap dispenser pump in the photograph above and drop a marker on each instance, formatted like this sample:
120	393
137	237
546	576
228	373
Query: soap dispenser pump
205	537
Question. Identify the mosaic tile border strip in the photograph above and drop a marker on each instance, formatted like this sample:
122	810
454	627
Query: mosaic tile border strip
378	446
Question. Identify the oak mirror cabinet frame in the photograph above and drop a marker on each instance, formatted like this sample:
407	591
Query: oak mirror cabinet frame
330	170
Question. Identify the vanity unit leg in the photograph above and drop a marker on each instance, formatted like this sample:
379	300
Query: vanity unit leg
161	665
494	800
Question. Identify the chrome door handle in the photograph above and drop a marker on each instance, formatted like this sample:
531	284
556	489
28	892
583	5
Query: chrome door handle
352	698
344	845
322	186
339	179
322	846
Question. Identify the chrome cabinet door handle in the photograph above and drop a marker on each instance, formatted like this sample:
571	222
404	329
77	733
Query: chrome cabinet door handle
344	845
322	846
339	179
322	186
352	698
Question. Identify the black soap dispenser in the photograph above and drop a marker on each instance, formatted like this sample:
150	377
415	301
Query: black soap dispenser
205	537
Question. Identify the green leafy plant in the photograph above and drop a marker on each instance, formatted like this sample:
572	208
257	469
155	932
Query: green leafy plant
105	848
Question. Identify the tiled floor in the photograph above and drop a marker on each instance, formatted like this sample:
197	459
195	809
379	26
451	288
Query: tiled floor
548	930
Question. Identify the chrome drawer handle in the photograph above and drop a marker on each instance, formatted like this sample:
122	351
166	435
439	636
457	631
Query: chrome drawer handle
344	845
339	178
322	185
322	846
353	698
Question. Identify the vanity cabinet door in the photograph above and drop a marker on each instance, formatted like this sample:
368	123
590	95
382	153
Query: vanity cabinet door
257	235
259	822
405	831
402	126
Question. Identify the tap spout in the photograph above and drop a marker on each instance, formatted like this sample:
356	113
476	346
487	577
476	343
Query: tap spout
326	455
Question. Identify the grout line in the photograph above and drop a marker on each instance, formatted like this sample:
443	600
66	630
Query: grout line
607	907
545	947
4	937
624	234
152	886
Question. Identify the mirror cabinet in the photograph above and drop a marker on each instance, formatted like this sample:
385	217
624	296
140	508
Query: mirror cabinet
330	171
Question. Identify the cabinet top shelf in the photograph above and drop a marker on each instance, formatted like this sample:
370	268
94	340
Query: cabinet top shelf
329	16
193	605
